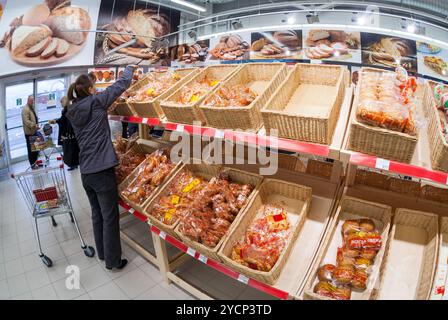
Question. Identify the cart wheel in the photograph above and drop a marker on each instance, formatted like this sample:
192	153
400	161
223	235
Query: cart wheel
53	222
47	261
89	251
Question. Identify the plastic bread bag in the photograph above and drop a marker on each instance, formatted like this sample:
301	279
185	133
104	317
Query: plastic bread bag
354	261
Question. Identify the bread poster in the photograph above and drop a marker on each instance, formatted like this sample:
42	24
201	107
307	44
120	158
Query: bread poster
387	51
47	33
2	7
230	47
189	55
432	60
267	45
334	45
122	19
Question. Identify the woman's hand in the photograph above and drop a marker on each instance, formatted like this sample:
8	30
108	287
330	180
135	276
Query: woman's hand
51	121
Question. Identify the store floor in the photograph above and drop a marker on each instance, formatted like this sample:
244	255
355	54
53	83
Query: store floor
23	275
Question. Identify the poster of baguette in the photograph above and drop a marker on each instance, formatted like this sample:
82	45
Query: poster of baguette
388	51
335	45
134	33
432	60
285	44
44	33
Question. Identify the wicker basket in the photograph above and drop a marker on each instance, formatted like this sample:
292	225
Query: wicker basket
124	109
307	82
206	172
439	287
176	112
151	108
134	175
402	258
351	208
376	141
438	145
291	163
236	176
263	79
296	199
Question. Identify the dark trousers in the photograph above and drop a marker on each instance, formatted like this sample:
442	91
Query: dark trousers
32	156
101	189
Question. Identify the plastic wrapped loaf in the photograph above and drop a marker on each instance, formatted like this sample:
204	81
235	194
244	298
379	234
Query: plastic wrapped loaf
384	102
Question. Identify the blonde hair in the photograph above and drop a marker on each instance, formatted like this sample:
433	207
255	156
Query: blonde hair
64	102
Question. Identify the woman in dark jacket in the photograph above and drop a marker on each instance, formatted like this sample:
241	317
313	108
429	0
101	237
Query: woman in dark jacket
88	116
67	139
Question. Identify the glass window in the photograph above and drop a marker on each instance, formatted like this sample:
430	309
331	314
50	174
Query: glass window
16	97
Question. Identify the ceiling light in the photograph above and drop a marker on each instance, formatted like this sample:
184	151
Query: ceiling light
189	5
191	34
291	20
361	21
411	28
312	18
237	25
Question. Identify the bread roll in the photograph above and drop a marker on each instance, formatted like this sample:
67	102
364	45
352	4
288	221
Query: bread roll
25	37
69	18
36	16
52	4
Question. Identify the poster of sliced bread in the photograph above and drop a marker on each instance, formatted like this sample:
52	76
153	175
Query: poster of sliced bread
336	45
230	47
46	33
133	33
388	51
432	61
285	44
191	54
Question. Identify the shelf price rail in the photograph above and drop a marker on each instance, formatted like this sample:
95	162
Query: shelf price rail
209	262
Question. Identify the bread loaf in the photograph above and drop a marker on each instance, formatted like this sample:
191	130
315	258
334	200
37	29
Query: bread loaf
37	49
315	35
62	48
68	19
147	24
51	49
36	16
288	38
25	37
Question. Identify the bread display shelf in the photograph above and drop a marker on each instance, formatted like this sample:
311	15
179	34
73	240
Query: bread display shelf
351	208
261	78
409	266
307	103
295	200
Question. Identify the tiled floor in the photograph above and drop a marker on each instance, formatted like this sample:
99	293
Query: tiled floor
23	276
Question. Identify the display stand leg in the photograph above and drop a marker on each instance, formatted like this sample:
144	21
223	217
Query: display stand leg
162	257
351	175
139	249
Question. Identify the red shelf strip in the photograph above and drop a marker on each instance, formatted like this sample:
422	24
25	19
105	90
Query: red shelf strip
250	138
400	168
212	263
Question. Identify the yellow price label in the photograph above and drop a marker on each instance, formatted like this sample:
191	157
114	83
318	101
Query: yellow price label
149	91
214	83
169	214
194	98
191	185
175	199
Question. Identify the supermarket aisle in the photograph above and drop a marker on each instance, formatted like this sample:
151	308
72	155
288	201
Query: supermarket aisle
23	276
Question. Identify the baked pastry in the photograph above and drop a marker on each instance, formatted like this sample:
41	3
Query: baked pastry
52	4
25	37
319	34
369	254
437	64
343	274
350	226
359	280
324	289
50	49
36	15
342	293
37	49
325	272
150	23
366	225
62	48
288	38
70	19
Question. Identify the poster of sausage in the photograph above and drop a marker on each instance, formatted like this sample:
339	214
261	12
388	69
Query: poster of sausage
46	33
123	19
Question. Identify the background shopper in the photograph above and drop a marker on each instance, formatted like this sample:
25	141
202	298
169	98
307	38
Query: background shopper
88	116
30	128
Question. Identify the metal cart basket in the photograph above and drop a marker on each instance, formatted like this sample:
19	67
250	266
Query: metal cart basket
46	195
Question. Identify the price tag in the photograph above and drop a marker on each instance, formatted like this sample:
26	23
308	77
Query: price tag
203	258
191	252
145	120
382	164
180	128
447	179
242	278
131	211
219	134
162	235
316	61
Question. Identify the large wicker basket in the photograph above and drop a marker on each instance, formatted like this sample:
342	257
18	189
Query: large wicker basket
438	145
296	199
123	108
134	175
351	208
263	79
305	88
151	108
377	141
439	287
206	172
176	112
235	176
407	274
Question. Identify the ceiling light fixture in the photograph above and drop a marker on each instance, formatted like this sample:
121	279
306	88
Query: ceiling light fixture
237	25
312	18
189	5
291	20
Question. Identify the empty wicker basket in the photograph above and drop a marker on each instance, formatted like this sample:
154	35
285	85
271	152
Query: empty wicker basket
295	199
307	103
180	113
409	266
263	79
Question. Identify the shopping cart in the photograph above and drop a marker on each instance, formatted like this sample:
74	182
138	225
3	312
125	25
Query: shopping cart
46	195
42	141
